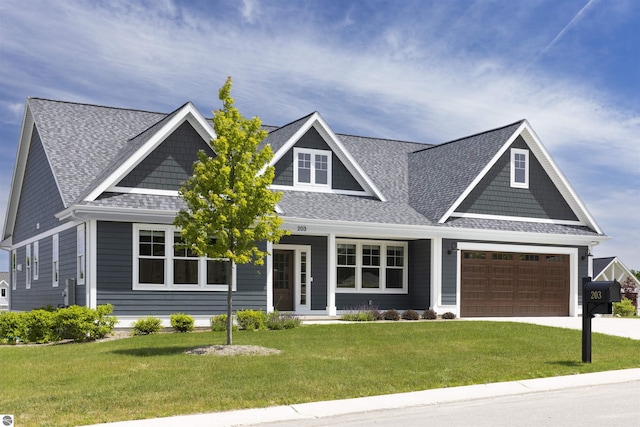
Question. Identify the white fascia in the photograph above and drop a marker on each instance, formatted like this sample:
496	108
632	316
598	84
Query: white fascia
188	113
317	227
108	213
340	151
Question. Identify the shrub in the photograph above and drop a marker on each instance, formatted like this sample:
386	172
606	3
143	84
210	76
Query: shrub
624	308
182	322
358	316
410	315
251	319
448	315
429	315
391	315
146	326
377	315
12	326
81	323
278	320
40	327
219	323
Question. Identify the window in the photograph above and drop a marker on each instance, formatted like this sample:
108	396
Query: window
36	260
3	293
55	267
371	266
312	167
14	269
162	261
80	258
519	168
27	261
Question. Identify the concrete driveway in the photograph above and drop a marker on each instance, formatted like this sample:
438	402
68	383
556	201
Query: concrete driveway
618	326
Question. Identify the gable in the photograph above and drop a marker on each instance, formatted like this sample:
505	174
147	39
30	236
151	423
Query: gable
341	178
39	196
495	196
170	164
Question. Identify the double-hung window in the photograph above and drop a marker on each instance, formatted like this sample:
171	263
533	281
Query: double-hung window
312	167
36	260
14	269
163	261
519	168
371	266
28	263
55	267
80	258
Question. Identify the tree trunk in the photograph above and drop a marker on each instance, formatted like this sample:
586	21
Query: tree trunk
229	302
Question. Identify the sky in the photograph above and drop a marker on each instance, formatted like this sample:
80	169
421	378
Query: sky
424	71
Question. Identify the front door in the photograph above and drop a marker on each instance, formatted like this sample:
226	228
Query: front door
283	279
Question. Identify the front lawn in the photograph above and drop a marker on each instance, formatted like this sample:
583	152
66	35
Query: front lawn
151	376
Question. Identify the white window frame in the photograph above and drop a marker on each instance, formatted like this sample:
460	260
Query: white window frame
169	284
81	272
14	269
55	260
27	263
525	153
313	153
36	260
383	267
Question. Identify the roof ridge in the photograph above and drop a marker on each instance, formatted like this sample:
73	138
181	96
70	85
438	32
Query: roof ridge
384	139
474	135
291	122
96	105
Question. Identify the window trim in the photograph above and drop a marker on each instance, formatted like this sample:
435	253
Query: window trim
81	266
169	284
313	152
384	244
55	260
514	182
27	263
36	260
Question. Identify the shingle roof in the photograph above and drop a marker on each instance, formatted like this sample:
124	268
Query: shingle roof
441	173
85	143
81	140
600	264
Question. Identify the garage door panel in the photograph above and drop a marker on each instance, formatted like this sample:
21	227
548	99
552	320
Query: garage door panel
504	284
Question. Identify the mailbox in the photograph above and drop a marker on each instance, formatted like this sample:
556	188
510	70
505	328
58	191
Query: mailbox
600	296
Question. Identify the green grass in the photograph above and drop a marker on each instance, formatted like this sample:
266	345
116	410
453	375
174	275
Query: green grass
150	376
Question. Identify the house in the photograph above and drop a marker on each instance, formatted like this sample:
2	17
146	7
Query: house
4	290
611	268
486	225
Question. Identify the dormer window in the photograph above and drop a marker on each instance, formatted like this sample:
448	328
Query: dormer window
312	167
519	168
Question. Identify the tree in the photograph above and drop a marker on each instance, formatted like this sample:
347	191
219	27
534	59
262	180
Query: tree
230	207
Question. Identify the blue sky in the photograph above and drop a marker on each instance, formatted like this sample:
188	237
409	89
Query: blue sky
427	71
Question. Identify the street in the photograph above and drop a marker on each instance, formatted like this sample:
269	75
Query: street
602	405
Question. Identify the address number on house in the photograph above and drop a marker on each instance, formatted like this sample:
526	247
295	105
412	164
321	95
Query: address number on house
302	228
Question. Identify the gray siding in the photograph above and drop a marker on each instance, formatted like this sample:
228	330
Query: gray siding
341	178
420	274
494	195
39	198
114	282
42	292
171	163
449	274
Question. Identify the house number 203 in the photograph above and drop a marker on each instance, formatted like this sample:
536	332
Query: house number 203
302	228
596	295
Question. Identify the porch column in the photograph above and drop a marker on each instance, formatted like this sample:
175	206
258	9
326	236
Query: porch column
269	266
331	274
436	273
91	258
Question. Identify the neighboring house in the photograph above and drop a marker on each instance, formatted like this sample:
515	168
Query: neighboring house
4	290
486	225
611	268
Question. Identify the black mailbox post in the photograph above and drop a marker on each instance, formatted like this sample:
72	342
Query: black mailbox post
597	298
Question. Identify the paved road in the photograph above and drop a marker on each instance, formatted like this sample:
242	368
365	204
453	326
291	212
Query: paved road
602	405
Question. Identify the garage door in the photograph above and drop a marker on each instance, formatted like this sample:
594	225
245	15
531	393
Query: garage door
514	284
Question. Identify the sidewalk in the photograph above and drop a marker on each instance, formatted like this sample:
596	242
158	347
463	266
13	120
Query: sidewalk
314	410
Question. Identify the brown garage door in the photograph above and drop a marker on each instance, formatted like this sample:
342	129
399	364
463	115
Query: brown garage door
514	284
